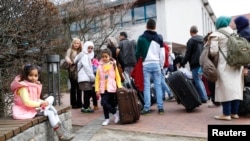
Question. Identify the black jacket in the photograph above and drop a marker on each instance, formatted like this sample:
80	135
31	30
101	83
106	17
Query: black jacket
194	48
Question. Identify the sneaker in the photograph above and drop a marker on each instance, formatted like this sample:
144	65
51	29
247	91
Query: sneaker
160	111
116	116
88	110
96	108
106	122
235	116
222	117
144	112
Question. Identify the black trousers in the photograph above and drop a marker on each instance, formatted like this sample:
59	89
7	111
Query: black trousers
109	103
87	95
75	94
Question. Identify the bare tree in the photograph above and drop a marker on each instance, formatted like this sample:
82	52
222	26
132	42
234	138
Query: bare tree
29	29
94	20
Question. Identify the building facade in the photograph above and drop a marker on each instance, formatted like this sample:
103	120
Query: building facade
174	19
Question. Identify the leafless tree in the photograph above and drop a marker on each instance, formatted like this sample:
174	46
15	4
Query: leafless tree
29	29
94	20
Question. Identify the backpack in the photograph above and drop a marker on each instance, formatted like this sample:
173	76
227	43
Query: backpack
238	50
166	63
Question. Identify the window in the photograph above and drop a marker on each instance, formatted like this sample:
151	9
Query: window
150	11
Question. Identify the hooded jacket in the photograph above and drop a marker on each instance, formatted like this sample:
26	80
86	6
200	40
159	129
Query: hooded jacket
150	48
194	48
25	109
84	64
242	25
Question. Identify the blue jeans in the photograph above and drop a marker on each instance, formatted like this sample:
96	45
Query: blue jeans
199	85
165	87
230	107
154	70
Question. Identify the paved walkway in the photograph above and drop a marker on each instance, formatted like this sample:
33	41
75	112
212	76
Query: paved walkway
175	122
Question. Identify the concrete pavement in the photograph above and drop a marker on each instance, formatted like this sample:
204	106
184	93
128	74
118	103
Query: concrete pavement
176	124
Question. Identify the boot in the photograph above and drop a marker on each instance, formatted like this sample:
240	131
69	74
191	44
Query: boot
63	135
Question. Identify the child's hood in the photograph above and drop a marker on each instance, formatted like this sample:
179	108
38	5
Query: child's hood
16	84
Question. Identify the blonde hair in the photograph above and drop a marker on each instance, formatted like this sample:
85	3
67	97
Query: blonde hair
73	42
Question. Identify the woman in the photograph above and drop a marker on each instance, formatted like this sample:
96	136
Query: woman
229	86
75	92
86	75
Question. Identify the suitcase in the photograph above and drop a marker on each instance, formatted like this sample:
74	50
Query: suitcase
244	108
128	105
184	90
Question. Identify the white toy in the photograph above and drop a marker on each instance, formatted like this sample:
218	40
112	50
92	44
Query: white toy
50	107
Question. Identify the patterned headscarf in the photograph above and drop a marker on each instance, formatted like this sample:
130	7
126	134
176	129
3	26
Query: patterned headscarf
222	21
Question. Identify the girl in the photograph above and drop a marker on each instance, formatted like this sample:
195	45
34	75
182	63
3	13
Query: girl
27	90
106	82
86	75
75	92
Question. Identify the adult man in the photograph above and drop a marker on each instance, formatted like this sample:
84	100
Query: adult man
194	49
127	50
150	48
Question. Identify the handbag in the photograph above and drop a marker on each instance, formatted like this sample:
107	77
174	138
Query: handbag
73	72
64	65
208	65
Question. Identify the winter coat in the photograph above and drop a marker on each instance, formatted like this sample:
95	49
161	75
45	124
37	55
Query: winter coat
127	51
150	48
194	49
20	110
229	85
112	82
84	64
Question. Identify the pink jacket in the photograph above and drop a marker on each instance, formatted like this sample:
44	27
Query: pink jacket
111	81
20	111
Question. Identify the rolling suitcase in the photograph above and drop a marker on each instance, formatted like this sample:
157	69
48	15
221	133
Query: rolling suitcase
128	106
184	90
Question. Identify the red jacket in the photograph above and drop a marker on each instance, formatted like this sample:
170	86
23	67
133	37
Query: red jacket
137	75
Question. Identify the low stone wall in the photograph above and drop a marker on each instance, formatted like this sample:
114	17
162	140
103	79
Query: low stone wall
42	131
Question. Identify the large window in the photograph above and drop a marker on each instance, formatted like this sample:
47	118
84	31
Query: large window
139	14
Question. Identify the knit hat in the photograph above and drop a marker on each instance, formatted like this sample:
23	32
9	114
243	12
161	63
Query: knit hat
222	21
241	22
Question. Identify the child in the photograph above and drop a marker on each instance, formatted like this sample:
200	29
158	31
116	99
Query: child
27	103
86	76
106	82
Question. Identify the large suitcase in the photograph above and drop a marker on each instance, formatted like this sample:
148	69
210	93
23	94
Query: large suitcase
244	108
184	90
128	105
130	84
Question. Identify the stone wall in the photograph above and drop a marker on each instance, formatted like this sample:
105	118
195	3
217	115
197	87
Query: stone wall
43	131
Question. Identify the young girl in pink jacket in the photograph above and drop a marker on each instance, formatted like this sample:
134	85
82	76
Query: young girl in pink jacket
106	82
27	103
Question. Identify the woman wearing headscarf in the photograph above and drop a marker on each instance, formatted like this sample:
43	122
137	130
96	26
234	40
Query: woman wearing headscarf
242	25
229	86
86	75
